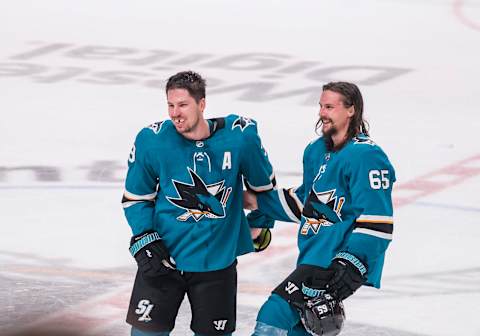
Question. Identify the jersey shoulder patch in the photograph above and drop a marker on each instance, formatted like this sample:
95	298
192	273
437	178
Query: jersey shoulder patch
156	127
363	145
363	139
240	123
149	135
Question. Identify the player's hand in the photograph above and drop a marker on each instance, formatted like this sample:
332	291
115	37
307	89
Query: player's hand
249	200
262	240
151	254
255	232
259	229
348	275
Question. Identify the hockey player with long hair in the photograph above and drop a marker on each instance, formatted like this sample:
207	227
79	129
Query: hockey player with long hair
344	210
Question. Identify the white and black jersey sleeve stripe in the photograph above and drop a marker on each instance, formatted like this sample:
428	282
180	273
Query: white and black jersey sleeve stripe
291	204
130	199
378	226
262	188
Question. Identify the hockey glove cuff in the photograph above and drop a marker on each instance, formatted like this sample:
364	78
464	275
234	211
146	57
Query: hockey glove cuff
257	219
263	240
349	274
151	254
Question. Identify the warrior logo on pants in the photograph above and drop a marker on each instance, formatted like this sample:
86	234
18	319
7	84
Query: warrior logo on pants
220	324
290	287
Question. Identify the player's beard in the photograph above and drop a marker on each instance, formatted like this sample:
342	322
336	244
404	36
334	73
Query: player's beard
188	126
327	136
328	139
184	129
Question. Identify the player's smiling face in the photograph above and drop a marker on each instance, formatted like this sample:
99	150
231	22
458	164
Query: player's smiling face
184	111
334	115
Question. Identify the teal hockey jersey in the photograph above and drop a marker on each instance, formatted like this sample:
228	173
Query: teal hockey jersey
191	192
343	205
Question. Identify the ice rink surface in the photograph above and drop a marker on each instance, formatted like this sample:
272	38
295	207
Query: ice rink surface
79	79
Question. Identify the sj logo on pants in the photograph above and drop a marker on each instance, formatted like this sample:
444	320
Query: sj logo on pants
144	309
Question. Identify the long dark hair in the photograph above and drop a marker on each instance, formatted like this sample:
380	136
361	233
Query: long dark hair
351	96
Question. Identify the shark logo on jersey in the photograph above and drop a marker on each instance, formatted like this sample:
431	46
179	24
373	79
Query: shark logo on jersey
321	209
242	123
200	199
363	140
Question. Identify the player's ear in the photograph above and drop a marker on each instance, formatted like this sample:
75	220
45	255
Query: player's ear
351	111
202	104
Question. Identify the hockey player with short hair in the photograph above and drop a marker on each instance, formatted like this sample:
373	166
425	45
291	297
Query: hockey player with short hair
344	208
184	202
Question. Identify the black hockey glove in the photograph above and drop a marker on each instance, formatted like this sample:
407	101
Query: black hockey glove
320	278
263	240
151	254
349	275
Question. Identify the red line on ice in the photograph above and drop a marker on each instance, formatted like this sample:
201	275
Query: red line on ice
458	11
424	185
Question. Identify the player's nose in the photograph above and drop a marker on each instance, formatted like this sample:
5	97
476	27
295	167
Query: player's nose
323	112
174	111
